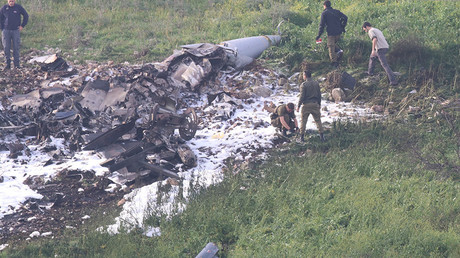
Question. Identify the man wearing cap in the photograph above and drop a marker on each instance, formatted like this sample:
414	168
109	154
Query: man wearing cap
379	51
335	22
11	26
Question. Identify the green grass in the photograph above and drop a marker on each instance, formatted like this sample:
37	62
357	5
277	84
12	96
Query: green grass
421	35
362	193
160	26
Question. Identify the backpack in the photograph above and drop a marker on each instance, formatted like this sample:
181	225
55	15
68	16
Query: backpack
342	19
274	114
343	22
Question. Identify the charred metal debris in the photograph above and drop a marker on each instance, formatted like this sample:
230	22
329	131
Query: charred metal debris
129	114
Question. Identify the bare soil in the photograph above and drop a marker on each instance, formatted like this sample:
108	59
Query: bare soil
67	202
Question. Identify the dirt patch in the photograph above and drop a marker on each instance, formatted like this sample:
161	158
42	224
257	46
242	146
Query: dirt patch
70	200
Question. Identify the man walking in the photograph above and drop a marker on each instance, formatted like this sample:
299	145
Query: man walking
11	26
283	118
335	22
379	51
310	100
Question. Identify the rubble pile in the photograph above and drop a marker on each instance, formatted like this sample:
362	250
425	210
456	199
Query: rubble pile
137	107
146	122
126	113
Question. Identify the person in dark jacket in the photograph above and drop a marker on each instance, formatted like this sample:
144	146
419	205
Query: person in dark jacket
310	100
11	26
335	22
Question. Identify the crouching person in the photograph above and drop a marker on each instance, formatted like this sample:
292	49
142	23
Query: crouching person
310	100
283	118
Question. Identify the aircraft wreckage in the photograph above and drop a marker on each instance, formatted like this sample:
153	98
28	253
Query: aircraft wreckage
127	114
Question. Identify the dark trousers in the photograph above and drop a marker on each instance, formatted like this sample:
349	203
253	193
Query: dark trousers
381	56
8	37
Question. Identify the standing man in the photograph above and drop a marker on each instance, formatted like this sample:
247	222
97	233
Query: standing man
335	21
310	100
11	26
379	51
283	118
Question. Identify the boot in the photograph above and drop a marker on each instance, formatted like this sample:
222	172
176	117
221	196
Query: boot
321	136
339	54
7	67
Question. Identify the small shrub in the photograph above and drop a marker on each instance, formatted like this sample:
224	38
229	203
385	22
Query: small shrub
299	19
357	51
409	49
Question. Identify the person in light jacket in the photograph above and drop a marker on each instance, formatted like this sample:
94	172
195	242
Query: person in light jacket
379	50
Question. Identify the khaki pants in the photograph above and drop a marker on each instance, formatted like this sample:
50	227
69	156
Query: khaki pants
314	110
332	46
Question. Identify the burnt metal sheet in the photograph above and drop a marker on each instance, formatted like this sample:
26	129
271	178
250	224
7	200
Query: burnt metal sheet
110	136
29	100
201	49
135	160
214	54
114	96
50	63
64	114
94	94
114	150
48	92
192	73
209	251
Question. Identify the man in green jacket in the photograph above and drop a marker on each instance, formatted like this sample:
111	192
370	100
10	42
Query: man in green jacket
310	100
283	118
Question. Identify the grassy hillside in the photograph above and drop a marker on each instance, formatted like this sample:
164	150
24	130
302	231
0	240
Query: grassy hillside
376	189
148	30
423	35
371	190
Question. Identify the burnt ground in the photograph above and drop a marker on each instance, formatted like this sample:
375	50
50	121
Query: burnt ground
73	195
67	199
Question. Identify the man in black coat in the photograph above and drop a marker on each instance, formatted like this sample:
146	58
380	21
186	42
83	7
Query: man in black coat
335	22
11	26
